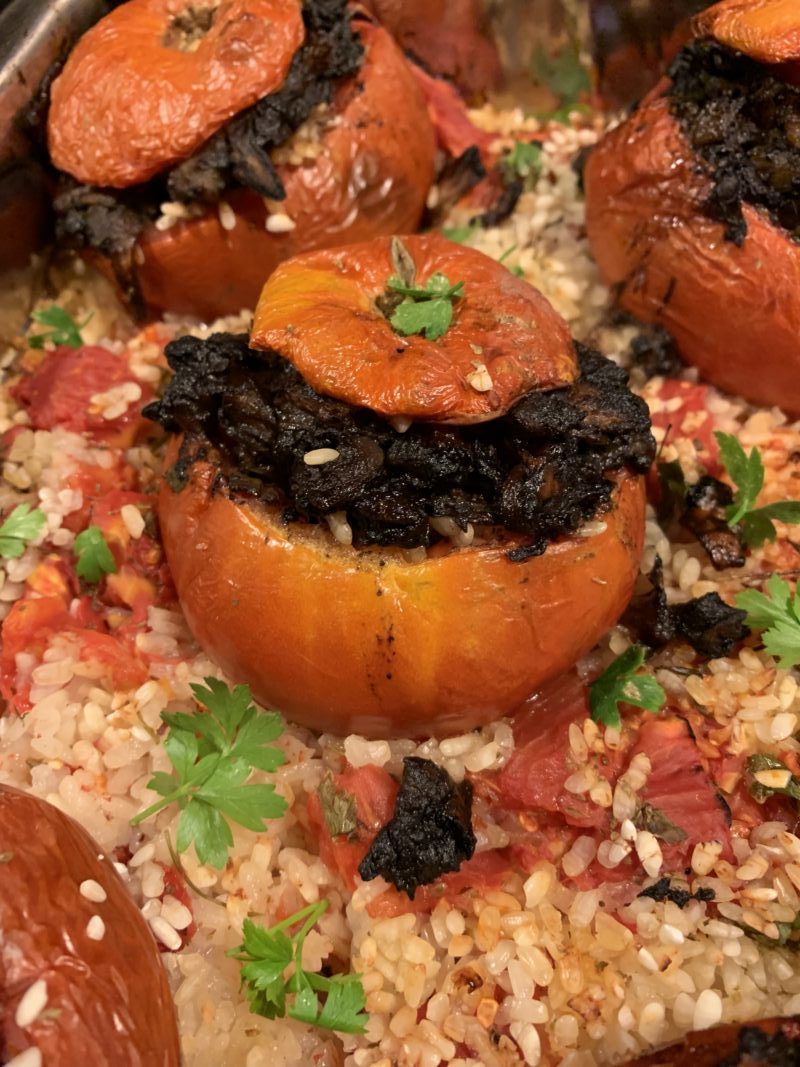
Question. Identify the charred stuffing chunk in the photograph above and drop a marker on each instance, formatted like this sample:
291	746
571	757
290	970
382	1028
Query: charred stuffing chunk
655	353
712	627
745	125
781	1049
430	832
663	890
705	518
542	470
238	155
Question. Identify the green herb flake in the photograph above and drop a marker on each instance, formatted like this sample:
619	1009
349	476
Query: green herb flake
427	309
338	808
460	234
777	615
523	163
650	818
621	683
213	755
20	528
565	75
747	474
761	764
61	328
267	955
93	555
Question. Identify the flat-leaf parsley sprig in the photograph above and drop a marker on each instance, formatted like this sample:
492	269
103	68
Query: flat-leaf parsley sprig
267	954
621	683
61	328
20	527
747	474
94	557
427	309
778	616
213	754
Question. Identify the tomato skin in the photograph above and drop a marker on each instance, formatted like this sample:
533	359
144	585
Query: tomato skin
59	390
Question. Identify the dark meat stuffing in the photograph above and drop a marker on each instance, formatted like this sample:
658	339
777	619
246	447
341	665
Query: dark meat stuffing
430	832
541	470
745	125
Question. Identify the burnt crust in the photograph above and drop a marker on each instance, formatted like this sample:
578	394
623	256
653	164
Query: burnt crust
744	125
542	470
111	220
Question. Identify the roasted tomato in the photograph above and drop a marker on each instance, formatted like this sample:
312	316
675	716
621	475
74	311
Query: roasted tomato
768	30
365	641
451	37
359	168
691	211
405	619
85	960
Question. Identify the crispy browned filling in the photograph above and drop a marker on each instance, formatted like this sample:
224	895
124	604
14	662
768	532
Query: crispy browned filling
745	125
542	470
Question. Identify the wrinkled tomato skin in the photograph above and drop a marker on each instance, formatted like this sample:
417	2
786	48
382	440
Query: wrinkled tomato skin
449	644
449	36
733	312
59	390
372	178
767	30
128	104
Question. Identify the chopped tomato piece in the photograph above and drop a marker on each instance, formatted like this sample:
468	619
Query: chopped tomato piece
93	481
60	391
690	419
680	788
455	131
175	886
475	877
28	628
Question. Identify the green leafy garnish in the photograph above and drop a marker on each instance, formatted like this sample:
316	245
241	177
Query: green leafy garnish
266	955
778	616
62	329
338	808
747	474
523	162
620	684
94	556
564	75
213	754
21	526
518	271
460	234
427	310
761	762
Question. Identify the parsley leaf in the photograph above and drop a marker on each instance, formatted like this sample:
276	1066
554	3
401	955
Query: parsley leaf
762	765
523	162
21	526
564	75
62	329
460	234
338	808
427	310
778	616
747	474
620	684
213	755
266	955
93	554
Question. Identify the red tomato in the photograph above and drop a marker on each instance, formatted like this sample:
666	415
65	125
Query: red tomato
692	419
59	393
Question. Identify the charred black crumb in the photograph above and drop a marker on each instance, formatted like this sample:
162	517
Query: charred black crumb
519	555
756	1046
453	181
648	615
663	890
745	125
712	627
541	470
430	832
654	352
705	518
109	222
503	207
239	153
579	161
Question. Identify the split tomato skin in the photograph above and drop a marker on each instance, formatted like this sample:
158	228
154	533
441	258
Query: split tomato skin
360	640
131	101
734	311
371	178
